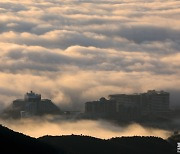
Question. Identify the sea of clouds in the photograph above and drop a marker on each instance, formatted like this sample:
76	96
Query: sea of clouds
73	51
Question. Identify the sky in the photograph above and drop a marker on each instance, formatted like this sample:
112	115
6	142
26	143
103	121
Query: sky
73	51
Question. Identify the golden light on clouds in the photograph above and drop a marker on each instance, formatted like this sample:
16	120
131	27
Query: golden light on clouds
100	129
76	51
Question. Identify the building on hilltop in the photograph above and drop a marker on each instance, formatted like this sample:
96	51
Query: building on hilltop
130	106
32	104
32	97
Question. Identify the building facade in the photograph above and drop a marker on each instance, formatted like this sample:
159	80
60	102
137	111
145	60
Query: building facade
130	106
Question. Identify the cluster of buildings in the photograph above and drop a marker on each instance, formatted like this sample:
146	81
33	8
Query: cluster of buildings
121	107
32	104
138	106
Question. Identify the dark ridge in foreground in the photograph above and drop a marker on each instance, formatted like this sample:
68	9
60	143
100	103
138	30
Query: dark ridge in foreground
75	144
13	142
18	143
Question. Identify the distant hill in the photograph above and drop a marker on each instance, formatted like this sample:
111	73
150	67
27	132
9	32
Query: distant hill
13	142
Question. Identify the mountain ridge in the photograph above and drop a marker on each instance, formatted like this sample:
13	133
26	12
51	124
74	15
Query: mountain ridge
14	142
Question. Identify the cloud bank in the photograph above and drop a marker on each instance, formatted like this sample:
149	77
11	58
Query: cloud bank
100	129
74	51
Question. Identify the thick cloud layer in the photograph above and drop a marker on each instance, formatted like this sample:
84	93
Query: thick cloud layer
73	51
101	129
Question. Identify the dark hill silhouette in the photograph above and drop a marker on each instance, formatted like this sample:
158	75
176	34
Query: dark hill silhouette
146	145
125	145
84	145
173	140
14	142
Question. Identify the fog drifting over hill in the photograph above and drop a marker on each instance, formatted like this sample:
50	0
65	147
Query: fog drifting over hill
73	51
37	127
